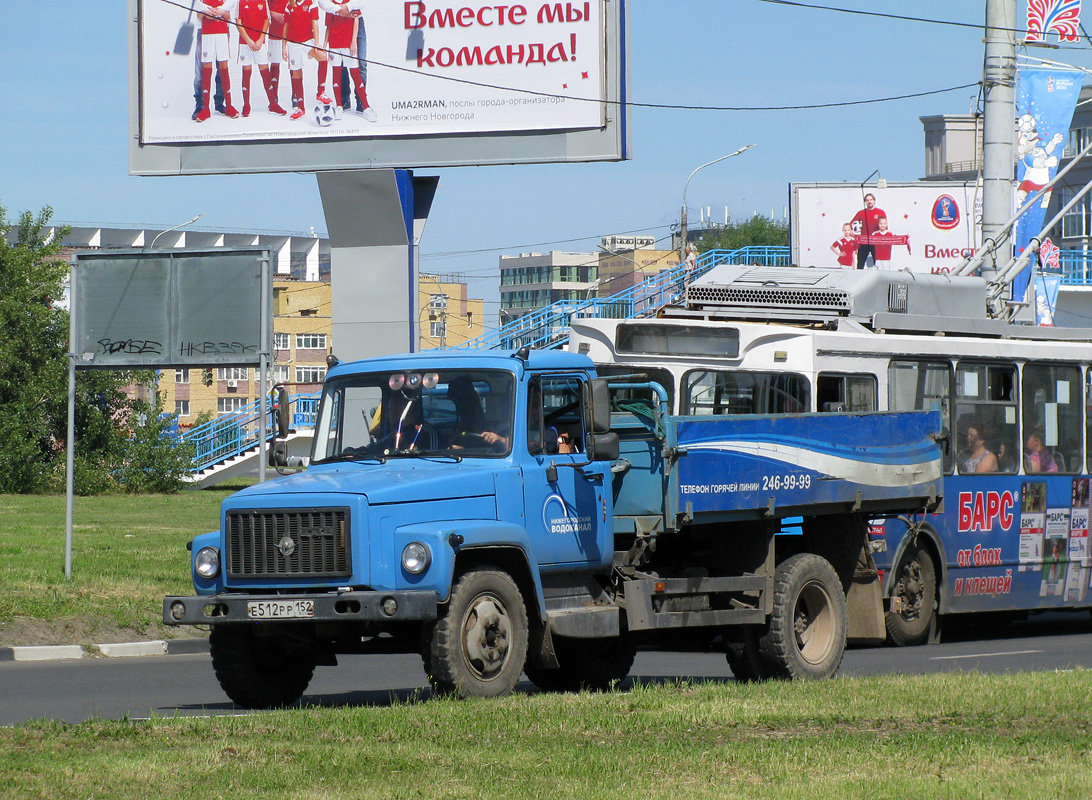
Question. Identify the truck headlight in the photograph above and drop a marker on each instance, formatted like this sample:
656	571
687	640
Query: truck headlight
207	562
416	558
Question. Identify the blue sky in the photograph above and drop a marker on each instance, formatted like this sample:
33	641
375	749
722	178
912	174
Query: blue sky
65	127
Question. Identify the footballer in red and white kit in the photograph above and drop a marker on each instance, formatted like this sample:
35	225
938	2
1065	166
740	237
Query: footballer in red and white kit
301	35
342	22
276	40
253	24
216	16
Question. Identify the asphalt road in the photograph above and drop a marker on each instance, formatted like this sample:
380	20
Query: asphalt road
73	691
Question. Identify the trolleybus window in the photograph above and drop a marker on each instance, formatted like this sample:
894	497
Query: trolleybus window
923	386
845	392
987	434
640	375
1088	417
678	340
1051	418
714	392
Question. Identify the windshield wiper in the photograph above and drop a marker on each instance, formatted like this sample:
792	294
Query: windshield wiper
426	454
347	456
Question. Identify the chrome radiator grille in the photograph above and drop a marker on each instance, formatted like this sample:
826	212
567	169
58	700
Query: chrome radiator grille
277	543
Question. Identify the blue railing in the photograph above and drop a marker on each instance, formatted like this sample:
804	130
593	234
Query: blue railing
548	327
231	434
1076	267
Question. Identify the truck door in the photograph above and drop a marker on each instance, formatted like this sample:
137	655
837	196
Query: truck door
567	500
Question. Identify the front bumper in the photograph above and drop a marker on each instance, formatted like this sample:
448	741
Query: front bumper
408	606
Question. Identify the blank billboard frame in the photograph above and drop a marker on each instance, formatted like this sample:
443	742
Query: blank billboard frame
161	309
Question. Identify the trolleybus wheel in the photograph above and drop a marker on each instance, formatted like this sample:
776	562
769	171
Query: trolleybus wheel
913	598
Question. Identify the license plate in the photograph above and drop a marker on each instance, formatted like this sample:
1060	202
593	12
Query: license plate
280	609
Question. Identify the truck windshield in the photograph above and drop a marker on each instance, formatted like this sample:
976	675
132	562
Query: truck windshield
456	412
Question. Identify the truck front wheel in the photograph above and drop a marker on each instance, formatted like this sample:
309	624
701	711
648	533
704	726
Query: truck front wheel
479	644
806	634
259	671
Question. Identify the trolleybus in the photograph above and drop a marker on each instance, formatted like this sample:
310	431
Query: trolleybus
1012	534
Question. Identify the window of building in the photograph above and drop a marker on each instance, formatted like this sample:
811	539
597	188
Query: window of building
228	405
310	341
181	376
1076	221
436	330
1051	415
233	374
280	341
280	373
308	373
182	408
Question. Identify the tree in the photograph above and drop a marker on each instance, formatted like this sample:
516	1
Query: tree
758	231
121	442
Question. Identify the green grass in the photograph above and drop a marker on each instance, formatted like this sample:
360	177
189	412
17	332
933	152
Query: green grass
952	736
128	552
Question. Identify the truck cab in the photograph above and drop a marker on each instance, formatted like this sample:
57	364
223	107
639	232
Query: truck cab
425	469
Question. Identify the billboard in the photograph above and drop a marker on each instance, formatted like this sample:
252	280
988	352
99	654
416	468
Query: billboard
423	83
922	226
162	309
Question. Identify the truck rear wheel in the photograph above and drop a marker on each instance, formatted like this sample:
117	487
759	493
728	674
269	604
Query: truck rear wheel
479	644
595	665
806	634
914	593
259	671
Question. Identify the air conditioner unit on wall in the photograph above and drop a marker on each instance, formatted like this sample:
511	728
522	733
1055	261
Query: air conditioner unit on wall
233	384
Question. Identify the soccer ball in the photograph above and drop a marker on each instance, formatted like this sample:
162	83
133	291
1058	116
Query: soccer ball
324	114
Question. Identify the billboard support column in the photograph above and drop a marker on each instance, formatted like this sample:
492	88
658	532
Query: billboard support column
374	219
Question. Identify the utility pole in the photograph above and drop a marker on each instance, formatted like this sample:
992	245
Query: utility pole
998	129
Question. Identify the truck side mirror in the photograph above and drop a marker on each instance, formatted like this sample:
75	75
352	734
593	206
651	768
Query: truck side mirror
283	417
277	454
597	406
602	446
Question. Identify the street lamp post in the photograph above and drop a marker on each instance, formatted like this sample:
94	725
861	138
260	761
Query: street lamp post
176	227
682	218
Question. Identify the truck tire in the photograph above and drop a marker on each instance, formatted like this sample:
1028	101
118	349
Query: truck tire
915	586
594	665
479	644
806	634
259	671
745	659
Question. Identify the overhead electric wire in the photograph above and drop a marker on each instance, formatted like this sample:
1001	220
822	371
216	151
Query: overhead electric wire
926	20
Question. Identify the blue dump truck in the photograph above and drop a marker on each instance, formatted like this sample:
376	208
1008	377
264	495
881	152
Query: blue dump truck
508	513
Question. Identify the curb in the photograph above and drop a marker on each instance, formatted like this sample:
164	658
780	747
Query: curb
159	647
